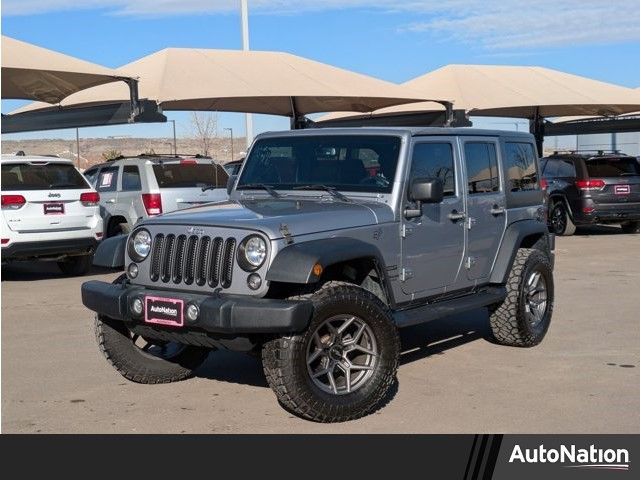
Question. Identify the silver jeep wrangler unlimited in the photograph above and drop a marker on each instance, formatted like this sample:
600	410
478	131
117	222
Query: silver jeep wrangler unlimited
331	241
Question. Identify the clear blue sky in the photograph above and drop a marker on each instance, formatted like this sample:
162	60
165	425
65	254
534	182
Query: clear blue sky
395	41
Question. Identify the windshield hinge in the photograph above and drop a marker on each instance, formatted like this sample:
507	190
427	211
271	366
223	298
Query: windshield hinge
284	229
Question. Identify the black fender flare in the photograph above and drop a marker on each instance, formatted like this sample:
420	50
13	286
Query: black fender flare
294	263
111	252
513	237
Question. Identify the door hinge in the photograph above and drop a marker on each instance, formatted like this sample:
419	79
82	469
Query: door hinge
470	262
406	274
406	230
470	222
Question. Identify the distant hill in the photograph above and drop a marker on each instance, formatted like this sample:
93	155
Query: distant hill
92	149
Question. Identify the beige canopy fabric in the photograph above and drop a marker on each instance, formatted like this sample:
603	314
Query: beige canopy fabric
238	81
514	91
34	73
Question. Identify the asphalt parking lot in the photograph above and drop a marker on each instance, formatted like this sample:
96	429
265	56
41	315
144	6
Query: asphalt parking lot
584	378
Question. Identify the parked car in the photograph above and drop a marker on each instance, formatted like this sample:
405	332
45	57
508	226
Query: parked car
233	168
134	188
586	188
49	212
316	263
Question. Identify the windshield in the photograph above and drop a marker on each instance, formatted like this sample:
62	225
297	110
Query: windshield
190	175
48	176
613	167
355	163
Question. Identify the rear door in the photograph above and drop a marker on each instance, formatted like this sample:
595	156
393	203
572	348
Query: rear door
51	192
620	182
486	204
181	183
107	186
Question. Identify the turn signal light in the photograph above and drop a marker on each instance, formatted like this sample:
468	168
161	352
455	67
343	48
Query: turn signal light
12	202
152	203
592	184
543	184
90	199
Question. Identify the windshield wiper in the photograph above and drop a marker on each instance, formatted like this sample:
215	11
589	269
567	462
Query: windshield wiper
262	186
332	191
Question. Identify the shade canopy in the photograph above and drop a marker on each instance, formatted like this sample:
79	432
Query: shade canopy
35	73
514	91
245	81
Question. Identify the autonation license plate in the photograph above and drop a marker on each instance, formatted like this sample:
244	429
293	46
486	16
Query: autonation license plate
164	311
622	189
54	208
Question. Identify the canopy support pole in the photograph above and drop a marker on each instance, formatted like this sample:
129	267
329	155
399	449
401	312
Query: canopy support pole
133	97
449	116
298	122
536	127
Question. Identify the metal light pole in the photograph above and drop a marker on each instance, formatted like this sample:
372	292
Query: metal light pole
78	145
175	147
244	20
231	132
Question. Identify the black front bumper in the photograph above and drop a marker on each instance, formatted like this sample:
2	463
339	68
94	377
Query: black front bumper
219	314
50	248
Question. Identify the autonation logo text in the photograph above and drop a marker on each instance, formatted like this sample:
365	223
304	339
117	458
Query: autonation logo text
574	457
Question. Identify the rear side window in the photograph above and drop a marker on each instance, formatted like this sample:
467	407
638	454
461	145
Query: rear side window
520	167
549	168
176	175
131	179
107	180
46	176
613	167
482	167
566	168
91	175
435	160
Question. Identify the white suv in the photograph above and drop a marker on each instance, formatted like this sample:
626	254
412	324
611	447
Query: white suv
49	211
134	188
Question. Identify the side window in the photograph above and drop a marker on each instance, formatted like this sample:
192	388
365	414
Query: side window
550	169
435	160
131	179
91	175
520	167
566	168
482	167
107	180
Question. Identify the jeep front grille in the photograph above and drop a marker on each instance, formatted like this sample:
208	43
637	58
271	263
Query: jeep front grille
192	259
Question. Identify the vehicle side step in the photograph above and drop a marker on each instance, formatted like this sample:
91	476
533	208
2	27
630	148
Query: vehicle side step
433	311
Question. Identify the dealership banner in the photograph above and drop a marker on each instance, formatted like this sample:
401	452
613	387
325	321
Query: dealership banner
465	457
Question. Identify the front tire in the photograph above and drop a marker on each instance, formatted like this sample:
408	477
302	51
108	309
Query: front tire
523	318
631	227
76	266
343	366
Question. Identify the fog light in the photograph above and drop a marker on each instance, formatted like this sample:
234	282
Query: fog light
133	270
254	281
137	306
192	312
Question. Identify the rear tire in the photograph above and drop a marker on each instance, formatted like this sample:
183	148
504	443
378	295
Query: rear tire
523	318
76	266
631	227
560	220
294	364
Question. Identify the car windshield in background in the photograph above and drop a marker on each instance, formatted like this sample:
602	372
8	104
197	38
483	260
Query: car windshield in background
356	163
613	167
46	176
190	175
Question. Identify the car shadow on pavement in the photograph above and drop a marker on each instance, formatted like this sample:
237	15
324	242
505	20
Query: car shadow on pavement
595	230
32	271
438	336
233	367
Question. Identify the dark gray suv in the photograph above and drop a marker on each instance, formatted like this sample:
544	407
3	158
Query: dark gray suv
331	241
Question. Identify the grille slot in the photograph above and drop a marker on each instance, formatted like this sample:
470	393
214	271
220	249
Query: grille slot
227	262
193	260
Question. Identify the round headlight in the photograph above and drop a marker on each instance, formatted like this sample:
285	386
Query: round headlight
252	253
140	245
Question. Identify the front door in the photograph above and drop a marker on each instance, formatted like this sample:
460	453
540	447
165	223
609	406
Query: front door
433	244
486	205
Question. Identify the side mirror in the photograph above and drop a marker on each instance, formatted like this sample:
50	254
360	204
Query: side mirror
231	182
424	190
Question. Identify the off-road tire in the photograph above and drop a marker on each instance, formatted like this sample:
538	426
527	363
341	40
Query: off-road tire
76	266
508	320
631	227
115	342
567	227
284	358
